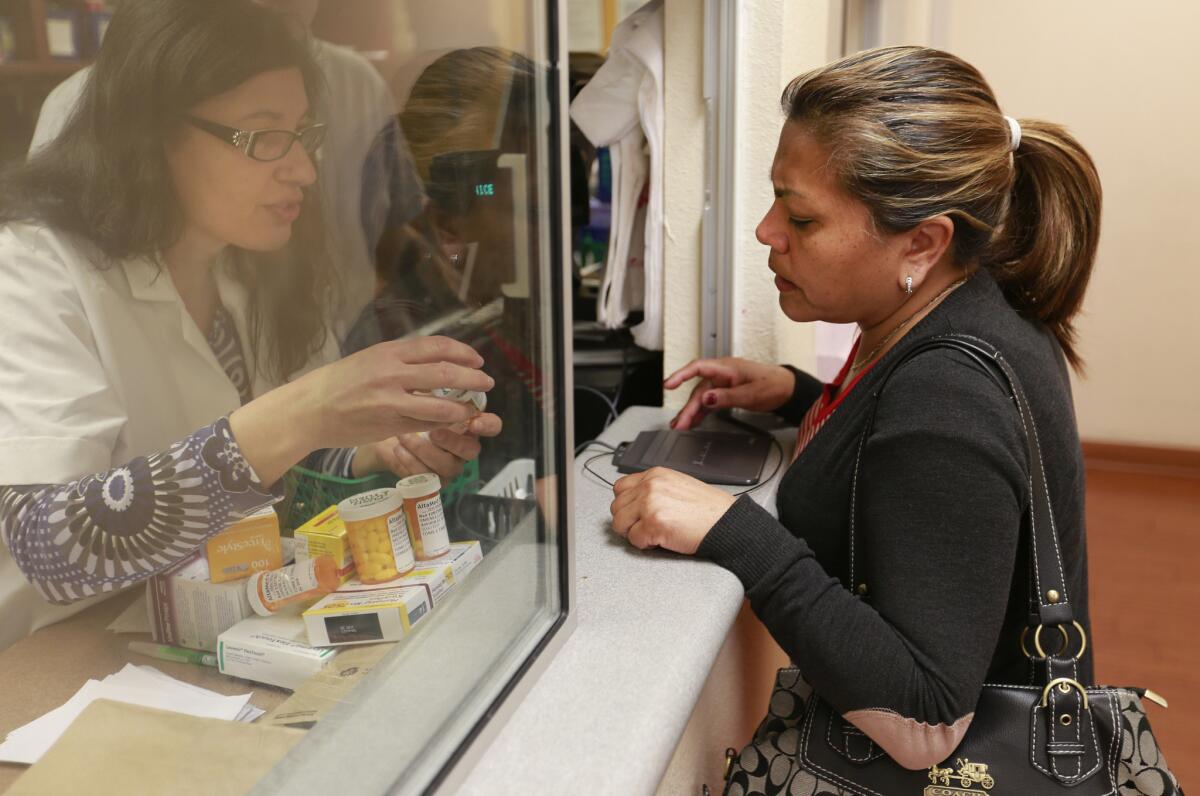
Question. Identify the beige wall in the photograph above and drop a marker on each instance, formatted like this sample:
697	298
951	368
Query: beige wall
1122	76
777	41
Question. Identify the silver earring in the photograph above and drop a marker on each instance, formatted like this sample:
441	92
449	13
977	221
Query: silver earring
908	285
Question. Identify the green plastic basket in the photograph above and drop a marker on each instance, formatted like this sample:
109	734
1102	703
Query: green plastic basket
309	492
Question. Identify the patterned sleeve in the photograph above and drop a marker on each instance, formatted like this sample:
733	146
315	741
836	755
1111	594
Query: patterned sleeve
110	530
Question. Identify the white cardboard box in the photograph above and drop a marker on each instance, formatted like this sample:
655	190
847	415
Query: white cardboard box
188	610
272	650
365	615
438	575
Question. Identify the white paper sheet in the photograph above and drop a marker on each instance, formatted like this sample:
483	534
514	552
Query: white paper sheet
137	685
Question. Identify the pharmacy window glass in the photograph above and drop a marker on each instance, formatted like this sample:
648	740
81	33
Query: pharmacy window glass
283	392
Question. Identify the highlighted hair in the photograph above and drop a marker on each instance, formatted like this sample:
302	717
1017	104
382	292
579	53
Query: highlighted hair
916	133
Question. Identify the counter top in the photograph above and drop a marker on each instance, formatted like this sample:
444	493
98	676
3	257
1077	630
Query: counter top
608	712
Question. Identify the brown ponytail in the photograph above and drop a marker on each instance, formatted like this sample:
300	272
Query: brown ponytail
916	133
1045	251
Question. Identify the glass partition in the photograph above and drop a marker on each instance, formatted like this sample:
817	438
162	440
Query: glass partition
265	266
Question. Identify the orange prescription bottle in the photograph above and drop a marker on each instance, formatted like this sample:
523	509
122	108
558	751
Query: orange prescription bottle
379	538
426	521
305	580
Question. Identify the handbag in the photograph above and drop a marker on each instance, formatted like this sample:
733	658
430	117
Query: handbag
1057	736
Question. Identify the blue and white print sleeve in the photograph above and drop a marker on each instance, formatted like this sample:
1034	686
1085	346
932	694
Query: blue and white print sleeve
110	530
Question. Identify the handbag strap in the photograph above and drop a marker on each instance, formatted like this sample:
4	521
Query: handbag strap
1049	603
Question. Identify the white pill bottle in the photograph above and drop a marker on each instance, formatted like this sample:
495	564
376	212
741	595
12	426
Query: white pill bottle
423	508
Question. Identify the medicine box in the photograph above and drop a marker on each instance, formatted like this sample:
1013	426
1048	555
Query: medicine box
246	546
439	575
325	535
272	650
368	614
188	610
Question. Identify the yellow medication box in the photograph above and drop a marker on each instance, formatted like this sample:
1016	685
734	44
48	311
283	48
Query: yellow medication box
246	546
325	535
374	613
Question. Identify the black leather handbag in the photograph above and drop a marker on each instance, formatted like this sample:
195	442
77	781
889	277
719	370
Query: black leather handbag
1058	736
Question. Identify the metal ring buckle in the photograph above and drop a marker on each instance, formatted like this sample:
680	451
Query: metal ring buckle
1037	641
1025	632
1063	681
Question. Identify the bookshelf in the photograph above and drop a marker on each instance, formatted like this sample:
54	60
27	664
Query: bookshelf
30	71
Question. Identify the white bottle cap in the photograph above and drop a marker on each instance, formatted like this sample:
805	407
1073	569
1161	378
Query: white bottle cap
462	396
368	505
419	486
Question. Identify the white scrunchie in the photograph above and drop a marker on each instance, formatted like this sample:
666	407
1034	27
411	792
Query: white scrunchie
1014	133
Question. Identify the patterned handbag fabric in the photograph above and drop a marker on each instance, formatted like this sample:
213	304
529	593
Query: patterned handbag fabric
1107	750
770	764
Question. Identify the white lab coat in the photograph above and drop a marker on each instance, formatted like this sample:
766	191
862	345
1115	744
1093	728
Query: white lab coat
621	107
356	106
97	366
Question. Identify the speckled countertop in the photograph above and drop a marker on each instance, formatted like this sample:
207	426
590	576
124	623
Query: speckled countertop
606	715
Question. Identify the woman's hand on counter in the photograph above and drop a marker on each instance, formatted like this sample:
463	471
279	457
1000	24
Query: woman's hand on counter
665	508
730	382
444	451
365	397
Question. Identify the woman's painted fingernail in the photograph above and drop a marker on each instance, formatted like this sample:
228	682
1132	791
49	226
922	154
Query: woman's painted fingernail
710	399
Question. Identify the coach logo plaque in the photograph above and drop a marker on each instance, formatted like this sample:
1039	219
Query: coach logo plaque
966	777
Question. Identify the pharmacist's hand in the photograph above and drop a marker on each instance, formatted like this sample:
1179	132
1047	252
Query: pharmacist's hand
665	508
444	451
730	382
369	395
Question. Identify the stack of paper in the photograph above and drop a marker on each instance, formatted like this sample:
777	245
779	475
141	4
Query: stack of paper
138	685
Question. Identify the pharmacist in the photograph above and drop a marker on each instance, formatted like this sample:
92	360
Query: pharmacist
165	355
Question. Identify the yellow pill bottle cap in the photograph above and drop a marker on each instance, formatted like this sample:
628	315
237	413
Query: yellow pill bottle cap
369	505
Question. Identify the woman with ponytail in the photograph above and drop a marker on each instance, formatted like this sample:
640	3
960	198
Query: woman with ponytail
908	202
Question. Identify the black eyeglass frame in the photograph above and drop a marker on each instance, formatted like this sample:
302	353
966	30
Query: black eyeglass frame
245	139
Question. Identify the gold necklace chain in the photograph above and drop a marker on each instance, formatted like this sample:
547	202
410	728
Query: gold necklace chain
860	363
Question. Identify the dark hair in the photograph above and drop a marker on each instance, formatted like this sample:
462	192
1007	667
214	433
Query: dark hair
105	177
916	133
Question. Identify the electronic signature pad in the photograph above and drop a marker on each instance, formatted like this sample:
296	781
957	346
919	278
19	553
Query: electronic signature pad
714	457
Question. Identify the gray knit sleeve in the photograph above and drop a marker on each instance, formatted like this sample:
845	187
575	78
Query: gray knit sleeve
110	530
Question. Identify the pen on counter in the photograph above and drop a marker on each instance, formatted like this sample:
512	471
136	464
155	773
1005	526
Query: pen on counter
175	654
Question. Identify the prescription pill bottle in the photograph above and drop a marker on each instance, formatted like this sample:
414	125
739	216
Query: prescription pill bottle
423	507
379	537
309	580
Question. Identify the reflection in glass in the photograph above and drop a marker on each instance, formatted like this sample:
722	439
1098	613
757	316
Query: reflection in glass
205	319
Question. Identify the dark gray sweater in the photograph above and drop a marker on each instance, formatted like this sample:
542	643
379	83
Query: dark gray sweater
942	494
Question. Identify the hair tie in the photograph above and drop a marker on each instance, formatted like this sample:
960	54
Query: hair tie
1014	133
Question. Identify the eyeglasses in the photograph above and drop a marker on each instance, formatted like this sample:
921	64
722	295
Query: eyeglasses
265	145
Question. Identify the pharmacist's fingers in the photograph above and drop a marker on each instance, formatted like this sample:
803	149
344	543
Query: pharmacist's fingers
440	459
430	412
436	349
401	460
434	375
485	425
463	446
